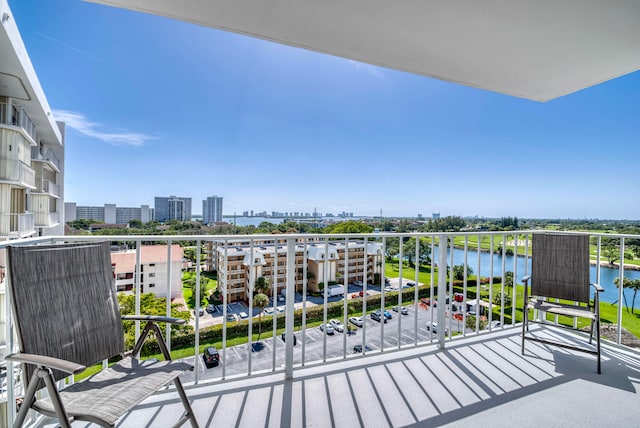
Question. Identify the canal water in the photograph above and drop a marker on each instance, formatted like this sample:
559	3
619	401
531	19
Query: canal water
607	274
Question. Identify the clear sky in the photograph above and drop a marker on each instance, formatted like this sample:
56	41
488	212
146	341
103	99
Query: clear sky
156	107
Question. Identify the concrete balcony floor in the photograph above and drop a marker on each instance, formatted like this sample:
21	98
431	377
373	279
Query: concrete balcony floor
475	381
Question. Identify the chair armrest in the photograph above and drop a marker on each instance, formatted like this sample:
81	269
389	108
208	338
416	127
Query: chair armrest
597	288
153	318
526	279
51	362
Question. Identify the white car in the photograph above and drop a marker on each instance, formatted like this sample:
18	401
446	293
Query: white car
328	328
337	325
357	321
268	310
243	315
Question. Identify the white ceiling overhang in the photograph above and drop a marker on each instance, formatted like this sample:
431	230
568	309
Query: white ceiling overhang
539	50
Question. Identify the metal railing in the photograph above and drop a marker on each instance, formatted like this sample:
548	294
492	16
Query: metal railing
14	115
470	296
47	155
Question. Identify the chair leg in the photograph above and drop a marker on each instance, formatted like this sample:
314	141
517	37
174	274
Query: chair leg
28	400
598	342
187	406
61	413
525	326
593	321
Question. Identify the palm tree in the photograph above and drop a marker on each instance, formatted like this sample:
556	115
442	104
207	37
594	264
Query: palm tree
260	301
262	285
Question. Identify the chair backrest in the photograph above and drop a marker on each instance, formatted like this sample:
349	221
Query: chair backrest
560	266
64	302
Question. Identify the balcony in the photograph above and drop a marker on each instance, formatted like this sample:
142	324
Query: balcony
46	219
14	115
472	374
17	225
17	172
48	187
46	156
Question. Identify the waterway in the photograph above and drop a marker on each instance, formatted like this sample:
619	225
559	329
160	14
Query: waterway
607	274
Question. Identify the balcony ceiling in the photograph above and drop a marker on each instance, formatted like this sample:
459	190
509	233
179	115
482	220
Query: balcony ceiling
538	50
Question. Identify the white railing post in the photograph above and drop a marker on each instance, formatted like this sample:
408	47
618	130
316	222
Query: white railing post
442	288
288	314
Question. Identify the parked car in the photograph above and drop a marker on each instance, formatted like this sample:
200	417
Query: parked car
280	309
280	298
337	325
357	283
388	289
200	312
327	328
211	308
411	284
284	339
433	328
358	348
403	310
387	315
377	316
357	321
268	310
232	317
211	357
243	315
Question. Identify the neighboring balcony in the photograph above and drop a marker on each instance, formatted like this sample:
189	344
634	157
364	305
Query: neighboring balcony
46	156
46	219
17	225
47	187
13	115
473	374
16	172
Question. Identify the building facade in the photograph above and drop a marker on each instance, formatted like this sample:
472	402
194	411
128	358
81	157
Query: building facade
153	270
212	209
240	264
31	145
172	208
109	213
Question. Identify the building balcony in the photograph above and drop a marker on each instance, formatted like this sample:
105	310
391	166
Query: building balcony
46	219
471	374
47	156
17	225
47	187
16	172
16	116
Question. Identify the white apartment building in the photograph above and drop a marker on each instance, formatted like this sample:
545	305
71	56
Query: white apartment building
31	144
212	209
153	269
239	264
109	213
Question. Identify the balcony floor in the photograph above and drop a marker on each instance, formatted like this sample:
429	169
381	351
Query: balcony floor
476	381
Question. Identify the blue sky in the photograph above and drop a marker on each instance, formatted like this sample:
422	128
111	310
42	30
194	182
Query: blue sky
156	107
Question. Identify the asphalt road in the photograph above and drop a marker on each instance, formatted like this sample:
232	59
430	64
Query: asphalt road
314	345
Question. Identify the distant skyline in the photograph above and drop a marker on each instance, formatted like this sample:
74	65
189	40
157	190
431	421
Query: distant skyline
159	107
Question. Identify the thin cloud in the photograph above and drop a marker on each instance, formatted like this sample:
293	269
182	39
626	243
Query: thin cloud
80	123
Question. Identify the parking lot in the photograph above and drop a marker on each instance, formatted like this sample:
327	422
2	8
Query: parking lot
373	334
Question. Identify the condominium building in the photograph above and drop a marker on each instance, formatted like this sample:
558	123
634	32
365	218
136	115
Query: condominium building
109	213
239	264
31	144
212	209
153	269
172	208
